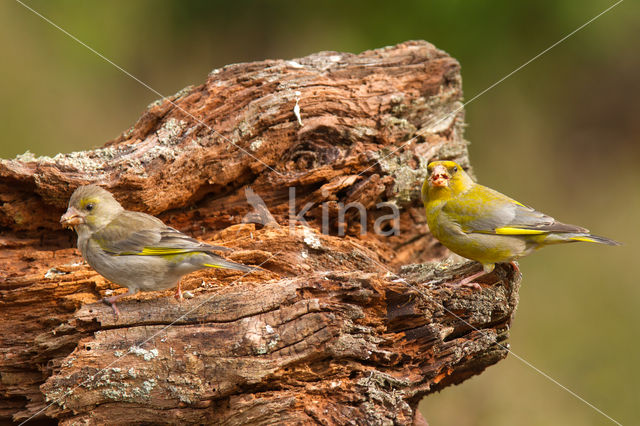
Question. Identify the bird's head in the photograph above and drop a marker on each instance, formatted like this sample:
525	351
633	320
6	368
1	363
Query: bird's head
445	179
90	208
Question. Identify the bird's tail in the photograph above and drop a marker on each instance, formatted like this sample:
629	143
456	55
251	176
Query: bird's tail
589	238
218	262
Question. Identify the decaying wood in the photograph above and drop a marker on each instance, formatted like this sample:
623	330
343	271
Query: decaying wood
334	330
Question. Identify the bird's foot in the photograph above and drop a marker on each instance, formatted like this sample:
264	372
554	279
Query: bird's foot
111	301
468	282
178	294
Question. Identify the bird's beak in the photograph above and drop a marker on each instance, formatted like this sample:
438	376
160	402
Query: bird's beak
439	177
71	218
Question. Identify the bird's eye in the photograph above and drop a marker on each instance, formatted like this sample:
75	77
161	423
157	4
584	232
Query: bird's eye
89	207
455	169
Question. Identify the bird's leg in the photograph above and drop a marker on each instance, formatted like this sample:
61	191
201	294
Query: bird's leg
467	282
112	300
178	294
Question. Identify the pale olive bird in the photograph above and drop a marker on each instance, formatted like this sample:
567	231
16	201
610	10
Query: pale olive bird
133	249
481	224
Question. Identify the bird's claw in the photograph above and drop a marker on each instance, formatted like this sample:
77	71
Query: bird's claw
112	303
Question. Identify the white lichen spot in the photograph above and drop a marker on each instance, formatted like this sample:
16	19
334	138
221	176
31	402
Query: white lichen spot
170	132
187	295
304	254
148	385
26	157
273	341
108	292
244	129
90	162
68	362
183	92
145	354
311	239
132	373
184	398
155	103
112	394
53	272
269	329
118	354
255	145
397	98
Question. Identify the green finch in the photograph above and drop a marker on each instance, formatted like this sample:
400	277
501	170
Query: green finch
133	249
481	224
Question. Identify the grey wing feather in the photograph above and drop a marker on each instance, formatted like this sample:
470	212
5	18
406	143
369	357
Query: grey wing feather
132	232
500	211
528	218
173	238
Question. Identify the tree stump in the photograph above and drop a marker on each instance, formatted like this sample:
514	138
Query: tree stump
336	329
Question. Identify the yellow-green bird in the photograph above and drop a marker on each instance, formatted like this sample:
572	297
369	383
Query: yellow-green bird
484	225
133	249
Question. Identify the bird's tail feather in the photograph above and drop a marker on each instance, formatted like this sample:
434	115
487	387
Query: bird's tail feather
223	263
589	238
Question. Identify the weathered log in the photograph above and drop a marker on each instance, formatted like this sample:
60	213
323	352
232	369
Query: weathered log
334	330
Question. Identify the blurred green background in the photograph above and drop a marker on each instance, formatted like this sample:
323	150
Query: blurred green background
561	135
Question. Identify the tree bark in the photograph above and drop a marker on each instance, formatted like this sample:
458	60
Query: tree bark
334	330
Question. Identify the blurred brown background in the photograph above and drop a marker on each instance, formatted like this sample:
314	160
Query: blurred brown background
561	135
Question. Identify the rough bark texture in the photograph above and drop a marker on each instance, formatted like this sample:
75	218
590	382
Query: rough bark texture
335	330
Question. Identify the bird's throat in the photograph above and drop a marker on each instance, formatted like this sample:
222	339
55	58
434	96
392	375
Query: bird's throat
437	193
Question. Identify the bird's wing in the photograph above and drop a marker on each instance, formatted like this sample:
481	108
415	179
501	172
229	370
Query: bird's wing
134	233
484	210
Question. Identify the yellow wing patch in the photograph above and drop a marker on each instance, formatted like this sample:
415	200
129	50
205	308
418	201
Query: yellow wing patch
584	239
212	266
160	251
507	230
